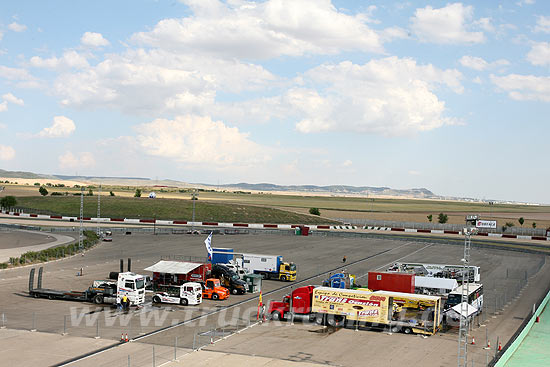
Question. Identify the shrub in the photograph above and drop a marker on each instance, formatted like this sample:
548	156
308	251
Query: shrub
314	211
442	218
55	193
137	194
43	191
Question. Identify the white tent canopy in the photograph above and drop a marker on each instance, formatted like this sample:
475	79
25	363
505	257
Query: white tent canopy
173	267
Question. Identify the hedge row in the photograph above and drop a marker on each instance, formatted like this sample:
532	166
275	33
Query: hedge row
52	253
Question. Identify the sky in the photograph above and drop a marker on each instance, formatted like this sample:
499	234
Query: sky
449	96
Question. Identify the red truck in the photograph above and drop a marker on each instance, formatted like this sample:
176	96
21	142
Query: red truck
410	313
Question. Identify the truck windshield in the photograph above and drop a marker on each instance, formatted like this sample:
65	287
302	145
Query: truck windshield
140	283
292	267
454	299
235	277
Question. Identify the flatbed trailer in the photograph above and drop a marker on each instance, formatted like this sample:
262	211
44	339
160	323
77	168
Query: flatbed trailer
106	293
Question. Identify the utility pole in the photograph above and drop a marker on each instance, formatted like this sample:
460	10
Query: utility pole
81	231
98	211
193	199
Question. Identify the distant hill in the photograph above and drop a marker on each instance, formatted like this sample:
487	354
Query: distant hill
334	189
265	187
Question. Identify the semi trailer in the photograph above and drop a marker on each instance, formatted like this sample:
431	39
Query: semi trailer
106	291
410	313
269	266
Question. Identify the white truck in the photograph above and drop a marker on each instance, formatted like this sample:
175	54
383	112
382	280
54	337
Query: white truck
438	270
187	294
107	291
237	266
269	266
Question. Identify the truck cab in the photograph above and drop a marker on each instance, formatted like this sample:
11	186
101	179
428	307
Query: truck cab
287	271
187	294
213	290
229	279
301	303
132	286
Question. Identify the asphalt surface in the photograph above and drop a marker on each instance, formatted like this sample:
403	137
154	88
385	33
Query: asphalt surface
503	274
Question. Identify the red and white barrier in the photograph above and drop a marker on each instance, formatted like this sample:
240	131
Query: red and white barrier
264	226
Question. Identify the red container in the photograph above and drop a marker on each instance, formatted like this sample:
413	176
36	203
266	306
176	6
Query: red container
305	230
393	282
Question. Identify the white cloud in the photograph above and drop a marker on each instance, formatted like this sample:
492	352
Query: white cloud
347	163
70	59
1	35
263	30
157	81
7	153
61	128
3	126
543	24
414	173
479	64
199	140
4	106
14	73
16	27
390	96
539	54
447	25
13	99
525	2
68	160
524	87
93	39
391	33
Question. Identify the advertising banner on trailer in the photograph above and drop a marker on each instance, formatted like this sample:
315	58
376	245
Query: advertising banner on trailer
368	307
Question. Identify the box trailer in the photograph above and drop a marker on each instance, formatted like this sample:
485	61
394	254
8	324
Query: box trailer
269	266
390	281
410	313
438	270
178	272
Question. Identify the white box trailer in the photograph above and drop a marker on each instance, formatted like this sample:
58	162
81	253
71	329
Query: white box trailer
269	266
434	286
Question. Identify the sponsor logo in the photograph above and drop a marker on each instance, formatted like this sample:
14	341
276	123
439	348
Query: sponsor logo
369	313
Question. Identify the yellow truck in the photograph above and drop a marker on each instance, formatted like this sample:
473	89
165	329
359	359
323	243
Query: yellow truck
410	313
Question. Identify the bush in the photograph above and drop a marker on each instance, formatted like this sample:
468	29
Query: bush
442	218
3	265
8	201
43	191
37	184
111	193
137	194
314	211
55	193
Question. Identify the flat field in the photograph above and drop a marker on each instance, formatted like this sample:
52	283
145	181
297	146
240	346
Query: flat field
175	204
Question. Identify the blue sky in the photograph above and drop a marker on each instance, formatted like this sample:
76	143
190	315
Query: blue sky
450	96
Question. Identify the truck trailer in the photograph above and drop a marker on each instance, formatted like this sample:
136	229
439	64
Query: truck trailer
410	313
106	291
269	266
438	270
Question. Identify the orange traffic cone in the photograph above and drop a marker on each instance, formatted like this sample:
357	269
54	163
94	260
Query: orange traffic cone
121	337
126	337
473	341
499	347
211	340
538	319
488	344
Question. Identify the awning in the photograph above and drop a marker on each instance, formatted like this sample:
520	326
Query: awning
438	283
469	312
173	267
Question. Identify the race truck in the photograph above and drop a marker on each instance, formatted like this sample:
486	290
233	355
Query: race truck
102	291
229	279
410	313
186	294
212	289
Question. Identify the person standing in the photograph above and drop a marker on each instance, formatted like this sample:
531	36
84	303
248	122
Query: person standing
344	260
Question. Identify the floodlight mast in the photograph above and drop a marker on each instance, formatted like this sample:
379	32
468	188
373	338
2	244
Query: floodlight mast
81	230
464	321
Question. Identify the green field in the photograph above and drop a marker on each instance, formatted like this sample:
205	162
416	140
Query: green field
177	209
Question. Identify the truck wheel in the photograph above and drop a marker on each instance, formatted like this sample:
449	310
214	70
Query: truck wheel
51	297
156	299
264	276
234	291
331	321
36	295
183	302
98	299
283	278
319	319
276	316
215	296
407	330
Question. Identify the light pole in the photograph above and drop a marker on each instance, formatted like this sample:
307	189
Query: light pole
193	199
